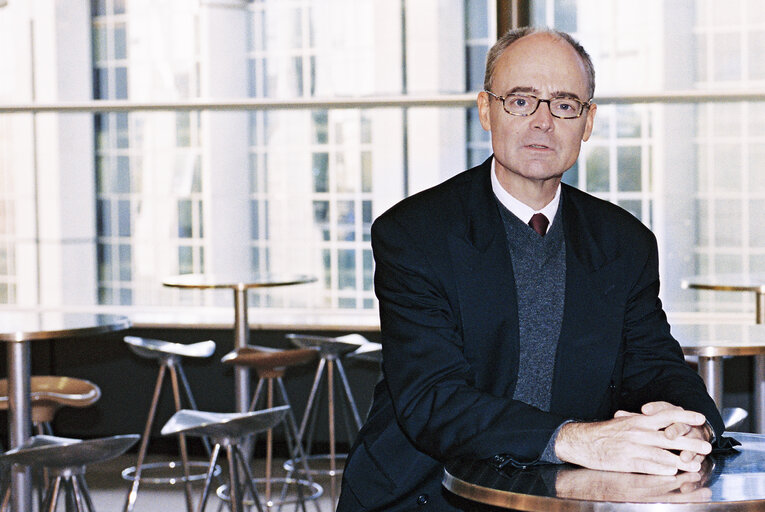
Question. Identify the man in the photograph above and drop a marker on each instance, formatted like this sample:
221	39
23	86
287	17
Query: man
523	345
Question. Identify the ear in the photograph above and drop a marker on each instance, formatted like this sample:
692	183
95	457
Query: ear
589	123
484	110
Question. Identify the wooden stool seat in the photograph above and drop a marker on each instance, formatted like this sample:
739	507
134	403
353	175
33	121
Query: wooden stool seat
269	362
49	393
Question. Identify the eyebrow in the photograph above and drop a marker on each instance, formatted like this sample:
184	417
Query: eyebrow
534	91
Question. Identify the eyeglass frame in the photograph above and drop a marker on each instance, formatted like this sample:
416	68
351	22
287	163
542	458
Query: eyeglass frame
583	105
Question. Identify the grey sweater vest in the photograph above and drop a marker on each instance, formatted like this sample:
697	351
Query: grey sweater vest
539	268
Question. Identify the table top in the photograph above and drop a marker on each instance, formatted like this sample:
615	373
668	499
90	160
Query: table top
236	280
730	481
714	340
19	326
726	282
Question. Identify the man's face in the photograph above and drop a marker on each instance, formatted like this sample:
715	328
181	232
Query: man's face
536	147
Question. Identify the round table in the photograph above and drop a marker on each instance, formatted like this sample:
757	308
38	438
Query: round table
712	342
17	330
730	481
240	283
752	283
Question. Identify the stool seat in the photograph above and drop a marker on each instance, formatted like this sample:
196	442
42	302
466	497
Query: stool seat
228	430
369	351
62	452
49	393
157	349
327	347
223	425
266	360
65	459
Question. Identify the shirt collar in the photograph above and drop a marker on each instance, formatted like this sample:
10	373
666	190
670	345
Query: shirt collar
519	209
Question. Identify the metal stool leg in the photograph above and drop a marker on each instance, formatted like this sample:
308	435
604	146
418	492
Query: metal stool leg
133	494
181	437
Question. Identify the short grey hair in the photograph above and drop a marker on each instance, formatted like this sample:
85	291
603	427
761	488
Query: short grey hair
513	35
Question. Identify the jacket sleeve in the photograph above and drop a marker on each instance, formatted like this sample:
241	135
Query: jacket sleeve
432	385
654	366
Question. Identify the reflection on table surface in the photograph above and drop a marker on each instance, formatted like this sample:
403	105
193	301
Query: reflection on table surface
735	476
727	339
29	325
236	280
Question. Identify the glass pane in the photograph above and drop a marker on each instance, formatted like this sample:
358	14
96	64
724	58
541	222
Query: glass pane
320	172
565	15
628	121
254	220
185	260
124	218
727	56
99	43
629	175
123	133
756	51
366	171
122	181
126	258
120	84
477	19
368	269
476	63
757	228
346	221
597	170
727	172
728	215
346	263
103	218
120	41
319	123
184	219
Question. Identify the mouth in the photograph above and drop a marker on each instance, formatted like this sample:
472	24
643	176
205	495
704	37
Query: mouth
537	146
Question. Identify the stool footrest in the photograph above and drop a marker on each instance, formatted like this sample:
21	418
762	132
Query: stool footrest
322	468
292	486
175	470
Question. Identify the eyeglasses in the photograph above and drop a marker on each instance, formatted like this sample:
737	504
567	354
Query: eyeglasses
526	105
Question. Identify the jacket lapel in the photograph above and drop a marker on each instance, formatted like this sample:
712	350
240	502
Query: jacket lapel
485	285
591	317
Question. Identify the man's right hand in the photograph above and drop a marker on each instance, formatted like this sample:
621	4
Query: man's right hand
633	443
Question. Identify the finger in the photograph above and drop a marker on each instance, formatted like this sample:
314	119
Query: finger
667	417
676	430
657	439
622	414
654	407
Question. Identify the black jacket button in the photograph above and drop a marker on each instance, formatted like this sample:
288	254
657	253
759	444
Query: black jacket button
422	499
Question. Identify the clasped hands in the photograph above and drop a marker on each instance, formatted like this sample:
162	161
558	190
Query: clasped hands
660	440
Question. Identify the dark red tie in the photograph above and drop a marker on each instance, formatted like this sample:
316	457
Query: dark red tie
539	223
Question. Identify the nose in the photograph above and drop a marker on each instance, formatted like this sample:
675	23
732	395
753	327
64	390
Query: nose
542	118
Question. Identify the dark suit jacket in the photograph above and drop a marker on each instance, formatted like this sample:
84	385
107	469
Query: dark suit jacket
449	319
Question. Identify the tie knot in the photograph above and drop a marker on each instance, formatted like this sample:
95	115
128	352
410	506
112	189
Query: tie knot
539	223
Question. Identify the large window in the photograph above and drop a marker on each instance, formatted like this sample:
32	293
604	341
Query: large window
293	186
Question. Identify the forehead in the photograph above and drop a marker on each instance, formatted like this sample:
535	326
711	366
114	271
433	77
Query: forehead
543	62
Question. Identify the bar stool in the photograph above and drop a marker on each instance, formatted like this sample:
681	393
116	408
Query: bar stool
169	356
331	352
49	393
230	431
270	365
66	460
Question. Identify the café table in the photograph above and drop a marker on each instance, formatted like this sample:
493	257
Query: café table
730	481
240	282
747	282
713	342
18	328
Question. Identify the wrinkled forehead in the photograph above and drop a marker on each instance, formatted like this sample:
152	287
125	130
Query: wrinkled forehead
541	62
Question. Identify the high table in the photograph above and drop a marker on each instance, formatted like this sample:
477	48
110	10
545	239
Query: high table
18	329
752	283
712	342
731	481
240	283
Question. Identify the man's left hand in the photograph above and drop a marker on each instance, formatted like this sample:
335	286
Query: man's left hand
676	429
